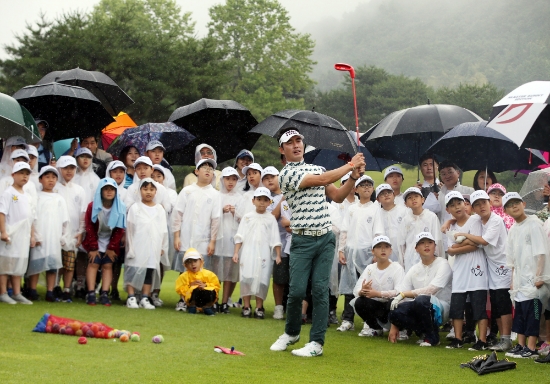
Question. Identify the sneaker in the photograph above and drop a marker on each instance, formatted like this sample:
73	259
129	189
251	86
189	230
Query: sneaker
455	344
156	301
451	335
479	346
492	339
259	313
66	297
311	349
278	313
224	308
192	310
365	331
132	303
181	306
403	335
57	292
80	294
145	303
545	360
529	353
5	298
104	300
90	298
51	298
426	343
209	311
544	349
346	326
502	345
216	307
21	299
245	312
115	296
515	352
283	342
469	337
369	332
332	318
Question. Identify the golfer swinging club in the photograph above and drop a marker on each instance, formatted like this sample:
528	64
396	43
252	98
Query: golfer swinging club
312	249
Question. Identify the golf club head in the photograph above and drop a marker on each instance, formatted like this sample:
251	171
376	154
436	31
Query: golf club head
345	67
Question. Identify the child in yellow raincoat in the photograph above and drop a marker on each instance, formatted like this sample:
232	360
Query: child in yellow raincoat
197	286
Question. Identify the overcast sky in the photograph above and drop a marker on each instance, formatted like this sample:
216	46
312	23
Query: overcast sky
15	13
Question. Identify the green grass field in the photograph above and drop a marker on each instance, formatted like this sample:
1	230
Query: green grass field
187	354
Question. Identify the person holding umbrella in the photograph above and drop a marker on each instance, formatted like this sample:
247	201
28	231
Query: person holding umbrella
305	188
430	187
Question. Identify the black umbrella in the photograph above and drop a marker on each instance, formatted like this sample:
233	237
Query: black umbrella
475	146
406	134
223	124
70	111
113	98
320	131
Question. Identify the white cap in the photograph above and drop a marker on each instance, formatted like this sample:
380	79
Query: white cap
393	169
191	253
410	190
209	161
453	195
154	144
345	177
380	239
31	150
288	135
362	179
83	151
230	171
48	168
477	195
19	166
20	153
16	140
383	187
423	235
116	164
255	166
143	160
158	167
262	191
269	171
510	196
65	161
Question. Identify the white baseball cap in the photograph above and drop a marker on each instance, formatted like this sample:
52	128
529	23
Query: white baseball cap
383	187
380	239
510	196
116	164
412	190
48	168
158	167
191	253
83	151
19	166
423	235
154	144
345	177
209	161
230	171
16	140
262	191
477	195
362	179
20	153
288	135
255	166
143	160
31	150
453	195
269	171
393	169
65	161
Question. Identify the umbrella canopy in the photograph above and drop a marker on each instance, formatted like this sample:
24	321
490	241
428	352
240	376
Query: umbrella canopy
173	138
319	131
30	123
523	115
113	98
531	191
223	124
406	134
331	159
475	146
70	111
113	130
15	120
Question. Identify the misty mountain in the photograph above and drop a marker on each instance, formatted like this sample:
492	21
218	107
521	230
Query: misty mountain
442	42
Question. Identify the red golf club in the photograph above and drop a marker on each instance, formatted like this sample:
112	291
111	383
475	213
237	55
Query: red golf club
348	68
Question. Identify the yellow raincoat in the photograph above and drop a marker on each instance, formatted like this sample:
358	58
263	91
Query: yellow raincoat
183	283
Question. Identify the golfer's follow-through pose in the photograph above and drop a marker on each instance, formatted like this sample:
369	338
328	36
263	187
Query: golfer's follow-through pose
312	248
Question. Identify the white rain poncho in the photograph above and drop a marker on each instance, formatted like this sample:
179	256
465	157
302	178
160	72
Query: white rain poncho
527	252
411	226
75	198
392	221
6	163
120	187
146	244
344	206
259	236
197	217
359	227
245	204
51	230
31	150
162	197
14	255
173	198
88	180
336	219
29	187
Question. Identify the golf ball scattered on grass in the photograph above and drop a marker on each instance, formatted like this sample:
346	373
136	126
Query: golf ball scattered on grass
157	339
124	337
82	340
135	337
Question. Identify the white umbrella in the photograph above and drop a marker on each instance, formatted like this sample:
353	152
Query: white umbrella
531	191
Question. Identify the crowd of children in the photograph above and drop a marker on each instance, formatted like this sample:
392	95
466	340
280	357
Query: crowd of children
394	255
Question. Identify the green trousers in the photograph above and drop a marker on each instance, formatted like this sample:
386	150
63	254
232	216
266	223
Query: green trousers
310	257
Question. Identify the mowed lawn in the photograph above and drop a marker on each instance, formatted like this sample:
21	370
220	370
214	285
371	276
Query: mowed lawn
187	354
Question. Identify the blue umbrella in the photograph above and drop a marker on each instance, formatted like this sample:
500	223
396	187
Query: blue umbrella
475	146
